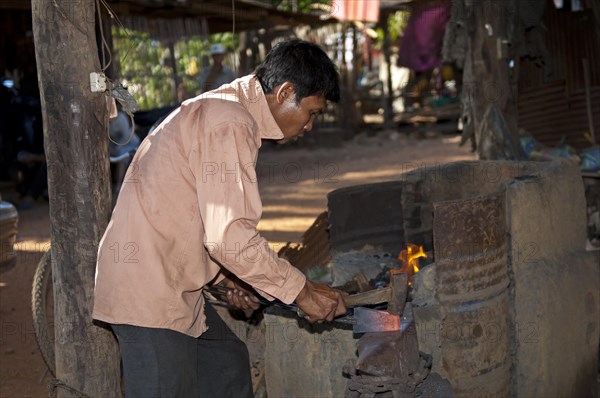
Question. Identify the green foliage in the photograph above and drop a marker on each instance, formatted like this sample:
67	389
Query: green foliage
301	6
145	66
397	23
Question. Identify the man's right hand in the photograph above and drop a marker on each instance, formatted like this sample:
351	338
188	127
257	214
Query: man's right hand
320	302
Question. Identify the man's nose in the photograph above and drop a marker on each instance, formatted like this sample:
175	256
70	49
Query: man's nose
309	125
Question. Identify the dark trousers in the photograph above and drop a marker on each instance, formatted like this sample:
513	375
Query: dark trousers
165	363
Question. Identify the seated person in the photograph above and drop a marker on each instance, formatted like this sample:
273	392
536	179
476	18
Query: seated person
123	139
29	168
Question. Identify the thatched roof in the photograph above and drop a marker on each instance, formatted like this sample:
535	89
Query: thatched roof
166	19
178	18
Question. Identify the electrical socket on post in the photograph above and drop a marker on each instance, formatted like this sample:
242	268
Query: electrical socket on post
97	82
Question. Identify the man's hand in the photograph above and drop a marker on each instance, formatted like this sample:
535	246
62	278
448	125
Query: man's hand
240	295
320	303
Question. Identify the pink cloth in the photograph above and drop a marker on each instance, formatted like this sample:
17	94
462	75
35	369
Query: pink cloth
424	35
355	10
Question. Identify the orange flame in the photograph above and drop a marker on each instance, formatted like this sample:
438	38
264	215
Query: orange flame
409	258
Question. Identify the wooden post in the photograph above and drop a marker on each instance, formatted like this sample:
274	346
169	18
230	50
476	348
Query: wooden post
244	60
343	109
388	91
487	88
588	97
266	40
175	75
76	144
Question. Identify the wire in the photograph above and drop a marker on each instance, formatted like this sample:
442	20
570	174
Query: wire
104	45
114	16
131	133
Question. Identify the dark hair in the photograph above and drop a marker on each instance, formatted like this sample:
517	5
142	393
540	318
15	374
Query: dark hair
305	65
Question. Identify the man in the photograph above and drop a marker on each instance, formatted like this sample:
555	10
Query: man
186	217
218	74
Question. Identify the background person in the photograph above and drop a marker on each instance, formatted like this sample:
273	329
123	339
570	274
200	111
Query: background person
29	167
217	74
123	139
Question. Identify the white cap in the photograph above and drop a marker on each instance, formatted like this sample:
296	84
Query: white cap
217	49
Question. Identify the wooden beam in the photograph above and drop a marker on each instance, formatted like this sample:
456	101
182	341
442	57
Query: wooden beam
76	144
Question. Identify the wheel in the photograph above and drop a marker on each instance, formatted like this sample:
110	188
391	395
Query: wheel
42	308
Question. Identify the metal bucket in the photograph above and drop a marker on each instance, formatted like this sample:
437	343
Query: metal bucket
8	234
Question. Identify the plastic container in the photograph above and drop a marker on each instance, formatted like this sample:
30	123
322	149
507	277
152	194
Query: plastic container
9	218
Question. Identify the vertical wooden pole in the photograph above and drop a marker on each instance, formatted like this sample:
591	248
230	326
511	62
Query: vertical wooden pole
343	108
243	61
486	78
354	97
174	74
588	97
387	90
75	133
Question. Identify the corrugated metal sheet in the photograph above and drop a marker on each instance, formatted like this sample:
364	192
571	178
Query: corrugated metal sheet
569	38
554	106
314	250
550	114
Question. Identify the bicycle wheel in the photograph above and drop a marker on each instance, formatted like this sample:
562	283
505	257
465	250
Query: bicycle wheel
42	306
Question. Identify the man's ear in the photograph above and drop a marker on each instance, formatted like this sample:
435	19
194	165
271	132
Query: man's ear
285	91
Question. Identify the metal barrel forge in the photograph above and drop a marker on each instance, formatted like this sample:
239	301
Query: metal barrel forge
472	290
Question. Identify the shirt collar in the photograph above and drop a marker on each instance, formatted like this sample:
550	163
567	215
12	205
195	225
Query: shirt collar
250	94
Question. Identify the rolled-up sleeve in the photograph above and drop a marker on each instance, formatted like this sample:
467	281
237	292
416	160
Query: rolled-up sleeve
223	164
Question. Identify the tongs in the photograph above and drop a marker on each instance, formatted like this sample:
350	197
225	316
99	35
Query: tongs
362	319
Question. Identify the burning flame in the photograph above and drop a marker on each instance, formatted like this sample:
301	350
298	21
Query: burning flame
409	258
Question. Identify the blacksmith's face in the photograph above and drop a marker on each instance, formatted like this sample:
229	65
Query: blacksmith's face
295	118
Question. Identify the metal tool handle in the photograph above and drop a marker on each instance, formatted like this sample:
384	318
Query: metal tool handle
220	292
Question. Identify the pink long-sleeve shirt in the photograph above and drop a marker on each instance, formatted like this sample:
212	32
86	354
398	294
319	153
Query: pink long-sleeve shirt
189	207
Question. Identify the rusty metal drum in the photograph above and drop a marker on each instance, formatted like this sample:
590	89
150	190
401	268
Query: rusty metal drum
470	246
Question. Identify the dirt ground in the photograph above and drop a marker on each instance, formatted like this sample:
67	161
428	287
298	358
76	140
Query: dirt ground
294	184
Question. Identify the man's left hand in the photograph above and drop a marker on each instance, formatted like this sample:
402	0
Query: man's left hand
241	295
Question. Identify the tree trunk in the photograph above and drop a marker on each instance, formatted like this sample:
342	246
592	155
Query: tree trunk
76	144
489	104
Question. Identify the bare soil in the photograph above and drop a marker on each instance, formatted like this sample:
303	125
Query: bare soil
294	186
